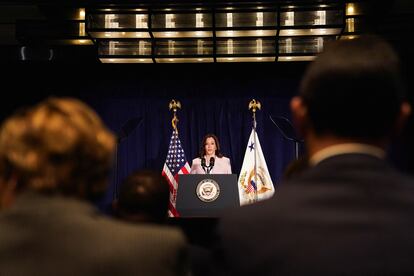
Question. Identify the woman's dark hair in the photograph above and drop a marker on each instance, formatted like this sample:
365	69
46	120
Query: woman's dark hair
203	143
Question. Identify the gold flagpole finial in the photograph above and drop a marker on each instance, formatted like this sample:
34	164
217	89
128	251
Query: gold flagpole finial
174	106
253	105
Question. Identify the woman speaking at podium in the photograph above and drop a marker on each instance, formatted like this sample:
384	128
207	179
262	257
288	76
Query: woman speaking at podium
210	161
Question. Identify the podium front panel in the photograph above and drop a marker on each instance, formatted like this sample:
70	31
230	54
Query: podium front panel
206	195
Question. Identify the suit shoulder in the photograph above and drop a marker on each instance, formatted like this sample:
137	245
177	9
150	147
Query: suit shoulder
226	159
151	232
164	232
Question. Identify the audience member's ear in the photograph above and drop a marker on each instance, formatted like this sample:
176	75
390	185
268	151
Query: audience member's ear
404	114
299	113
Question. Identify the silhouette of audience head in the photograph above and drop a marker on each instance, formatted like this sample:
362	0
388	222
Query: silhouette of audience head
296	167
352	90
144	197
58	146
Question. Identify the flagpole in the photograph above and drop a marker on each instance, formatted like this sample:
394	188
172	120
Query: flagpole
253	106
174	106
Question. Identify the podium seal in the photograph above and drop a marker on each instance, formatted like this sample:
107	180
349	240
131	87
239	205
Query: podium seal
208	190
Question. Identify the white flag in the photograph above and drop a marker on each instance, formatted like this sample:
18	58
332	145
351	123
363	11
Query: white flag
254	187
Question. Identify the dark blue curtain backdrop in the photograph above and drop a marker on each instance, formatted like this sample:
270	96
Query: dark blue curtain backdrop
214	99
210	104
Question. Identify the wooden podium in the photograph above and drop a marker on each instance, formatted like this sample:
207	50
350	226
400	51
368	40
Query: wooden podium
206	195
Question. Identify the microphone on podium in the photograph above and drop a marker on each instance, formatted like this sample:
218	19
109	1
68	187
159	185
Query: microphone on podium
203	164
210	167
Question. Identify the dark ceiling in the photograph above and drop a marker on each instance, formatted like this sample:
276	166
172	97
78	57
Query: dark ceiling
391	19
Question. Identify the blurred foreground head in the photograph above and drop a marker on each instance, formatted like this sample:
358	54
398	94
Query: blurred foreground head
353	90
59	145
144	197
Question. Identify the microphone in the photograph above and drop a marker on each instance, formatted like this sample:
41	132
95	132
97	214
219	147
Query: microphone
203	164
212	160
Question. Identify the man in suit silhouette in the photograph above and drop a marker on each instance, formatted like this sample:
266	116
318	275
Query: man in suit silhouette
349	212
54	158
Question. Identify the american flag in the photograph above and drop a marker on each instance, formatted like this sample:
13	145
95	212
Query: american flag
251	187
175	164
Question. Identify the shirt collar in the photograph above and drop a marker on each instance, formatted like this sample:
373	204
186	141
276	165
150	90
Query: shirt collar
346	149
